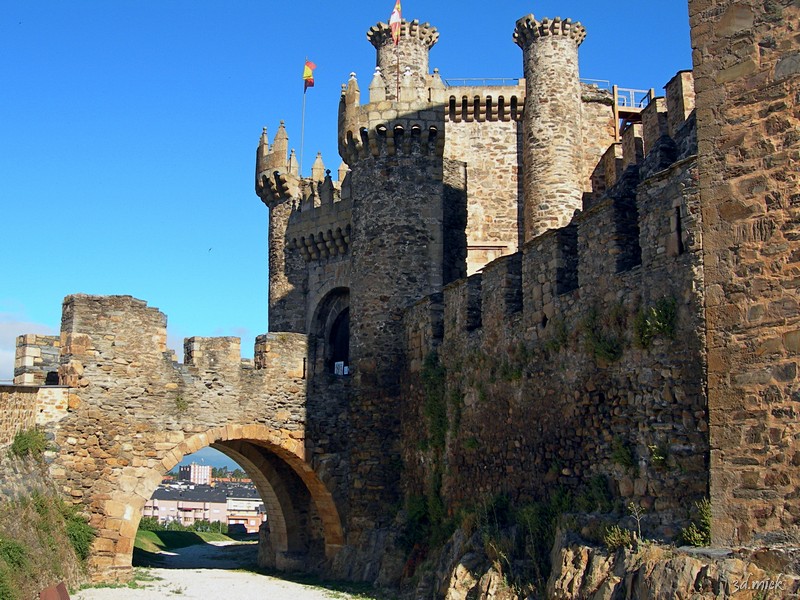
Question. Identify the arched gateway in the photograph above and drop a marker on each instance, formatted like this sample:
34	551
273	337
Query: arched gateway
134	412
293	495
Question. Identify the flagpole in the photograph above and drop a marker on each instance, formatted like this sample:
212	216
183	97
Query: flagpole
302	132
303	120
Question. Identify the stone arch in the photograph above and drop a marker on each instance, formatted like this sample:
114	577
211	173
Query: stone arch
263	452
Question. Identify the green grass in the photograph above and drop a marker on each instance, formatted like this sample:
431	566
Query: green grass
140	576
42	539
156	541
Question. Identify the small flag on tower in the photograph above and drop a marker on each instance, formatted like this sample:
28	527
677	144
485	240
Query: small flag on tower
395	21
308	75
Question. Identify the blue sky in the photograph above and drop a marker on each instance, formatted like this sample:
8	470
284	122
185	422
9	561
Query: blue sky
128	132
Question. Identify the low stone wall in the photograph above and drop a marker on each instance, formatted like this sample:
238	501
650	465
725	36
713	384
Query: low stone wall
17	411
26	407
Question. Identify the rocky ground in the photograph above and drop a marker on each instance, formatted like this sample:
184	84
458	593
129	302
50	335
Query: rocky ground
209	571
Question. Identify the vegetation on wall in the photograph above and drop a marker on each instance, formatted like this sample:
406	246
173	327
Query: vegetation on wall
616	537
435	407
698	533
29	442
621	453
559	336
42	541
604	336
181	404
652	321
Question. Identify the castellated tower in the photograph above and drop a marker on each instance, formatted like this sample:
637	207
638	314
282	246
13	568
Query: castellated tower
405	197
409	57
278	185
552	128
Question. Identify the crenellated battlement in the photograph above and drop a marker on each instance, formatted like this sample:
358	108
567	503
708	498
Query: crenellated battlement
381	33
528	30
632	234
467	104
409	126
278	178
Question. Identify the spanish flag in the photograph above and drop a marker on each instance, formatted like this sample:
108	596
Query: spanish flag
308	75
395	21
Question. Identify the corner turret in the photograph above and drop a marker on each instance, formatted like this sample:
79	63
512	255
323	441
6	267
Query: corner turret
276	179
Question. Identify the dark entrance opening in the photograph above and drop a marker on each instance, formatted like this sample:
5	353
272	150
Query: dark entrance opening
339	340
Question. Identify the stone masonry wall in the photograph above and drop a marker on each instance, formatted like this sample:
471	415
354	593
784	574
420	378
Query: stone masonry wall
26	407
36	359
404	230
597	126
134	413
287	276
489	145
547	379
747	83
17	411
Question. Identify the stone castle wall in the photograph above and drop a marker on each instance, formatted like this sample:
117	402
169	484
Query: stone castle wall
18	411
545	382
747	71
28	407
642	334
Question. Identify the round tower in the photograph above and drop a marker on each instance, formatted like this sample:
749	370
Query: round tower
551	151
394	148
409	56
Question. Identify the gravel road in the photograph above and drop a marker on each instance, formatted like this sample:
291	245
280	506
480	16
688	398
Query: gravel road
206	571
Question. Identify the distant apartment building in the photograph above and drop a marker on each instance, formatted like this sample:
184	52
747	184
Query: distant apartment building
200	474
187	506
245	507
234	505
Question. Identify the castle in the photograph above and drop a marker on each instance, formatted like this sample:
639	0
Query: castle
509	289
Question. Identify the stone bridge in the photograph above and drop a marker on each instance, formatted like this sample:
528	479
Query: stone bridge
129	412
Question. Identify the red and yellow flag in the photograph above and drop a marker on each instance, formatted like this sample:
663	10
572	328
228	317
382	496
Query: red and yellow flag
308	75
395	21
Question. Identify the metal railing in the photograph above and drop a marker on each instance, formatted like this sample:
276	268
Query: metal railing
481	81
632	98
603	84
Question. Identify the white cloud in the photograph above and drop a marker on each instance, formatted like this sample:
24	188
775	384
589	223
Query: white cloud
11	326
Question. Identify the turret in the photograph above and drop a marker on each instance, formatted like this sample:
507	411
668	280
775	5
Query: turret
552	128
410	54
400	188
279	187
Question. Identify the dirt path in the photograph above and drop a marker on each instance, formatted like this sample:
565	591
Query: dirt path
206	571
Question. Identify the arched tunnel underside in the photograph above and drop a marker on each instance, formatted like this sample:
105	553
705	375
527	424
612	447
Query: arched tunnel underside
294	537
303	529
